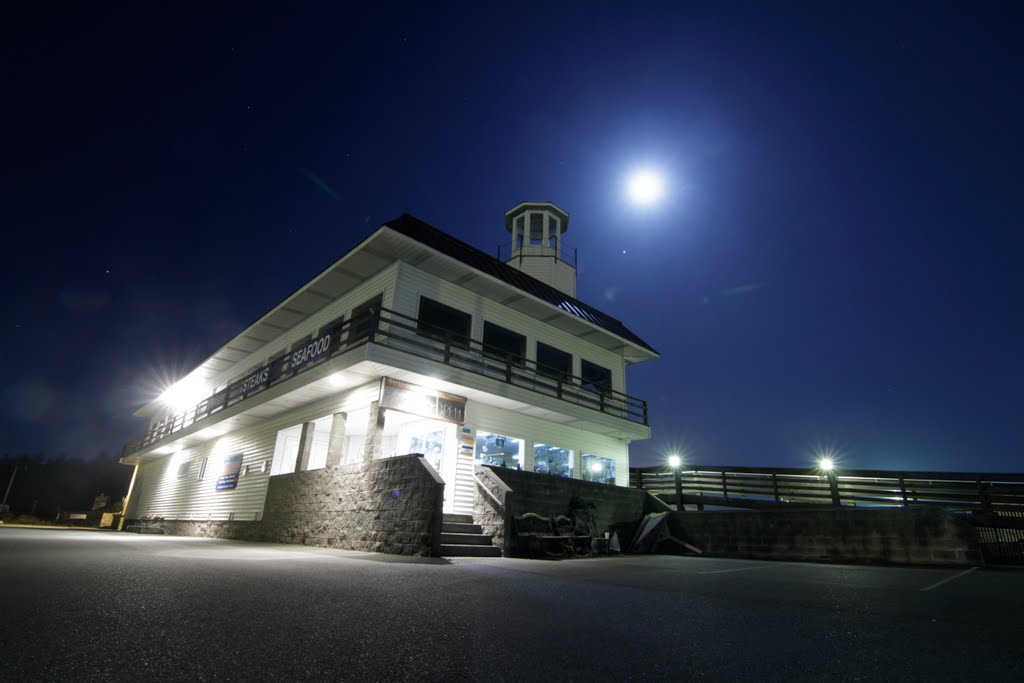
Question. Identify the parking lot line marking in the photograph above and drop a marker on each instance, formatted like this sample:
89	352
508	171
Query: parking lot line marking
740	569
948	579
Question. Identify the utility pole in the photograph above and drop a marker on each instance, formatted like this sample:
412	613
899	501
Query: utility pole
9	485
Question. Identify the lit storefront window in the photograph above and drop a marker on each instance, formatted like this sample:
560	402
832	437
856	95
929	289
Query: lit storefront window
596	468
499	450
552	460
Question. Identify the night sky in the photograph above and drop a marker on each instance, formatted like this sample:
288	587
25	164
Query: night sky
837	262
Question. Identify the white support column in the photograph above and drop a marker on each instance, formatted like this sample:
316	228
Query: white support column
528	456
337	439
305	447
374	433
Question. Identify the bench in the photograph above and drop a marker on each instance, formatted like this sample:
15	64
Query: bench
542	536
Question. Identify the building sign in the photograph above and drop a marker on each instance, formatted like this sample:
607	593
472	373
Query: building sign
229	472
412	398
255	381
319	348
467	442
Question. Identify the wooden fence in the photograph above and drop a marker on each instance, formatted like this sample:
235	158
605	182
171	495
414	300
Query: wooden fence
757	487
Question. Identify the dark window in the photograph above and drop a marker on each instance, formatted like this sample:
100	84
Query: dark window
504	345
333	325
536	228
595	378
443	323
552	362
364	319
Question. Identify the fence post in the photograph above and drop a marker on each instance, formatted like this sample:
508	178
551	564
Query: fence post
984	497
833	485
639	479
679	491
903	490
775	487
725	487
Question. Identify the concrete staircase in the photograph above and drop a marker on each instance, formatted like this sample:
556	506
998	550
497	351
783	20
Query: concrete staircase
461	537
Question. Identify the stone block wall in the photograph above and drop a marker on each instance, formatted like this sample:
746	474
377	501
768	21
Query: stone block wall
239	531
491	513
847	535
391	506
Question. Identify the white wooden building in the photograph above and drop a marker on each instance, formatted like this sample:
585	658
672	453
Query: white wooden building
412	342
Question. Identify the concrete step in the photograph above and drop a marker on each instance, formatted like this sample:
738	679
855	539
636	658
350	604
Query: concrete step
465	539
470	551
457	519
454	528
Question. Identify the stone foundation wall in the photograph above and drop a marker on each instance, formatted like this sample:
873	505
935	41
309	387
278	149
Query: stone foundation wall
391	506
488	513
891	536
239	531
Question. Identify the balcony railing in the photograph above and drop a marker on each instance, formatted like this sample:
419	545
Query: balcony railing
414	337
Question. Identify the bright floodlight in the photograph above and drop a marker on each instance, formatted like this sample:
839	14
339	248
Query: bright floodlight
674	461
182	395
645	187
826	464
596	467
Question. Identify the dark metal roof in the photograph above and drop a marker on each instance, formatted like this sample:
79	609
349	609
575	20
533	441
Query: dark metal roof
440	241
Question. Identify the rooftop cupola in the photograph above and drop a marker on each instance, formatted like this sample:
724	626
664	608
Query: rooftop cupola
537	247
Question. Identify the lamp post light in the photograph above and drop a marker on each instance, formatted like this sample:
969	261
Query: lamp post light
675	462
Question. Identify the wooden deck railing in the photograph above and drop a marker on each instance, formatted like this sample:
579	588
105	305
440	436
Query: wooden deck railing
414	337
756	487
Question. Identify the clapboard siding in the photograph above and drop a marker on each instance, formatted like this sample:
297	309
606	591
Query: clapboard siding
483	417
413	283
161	493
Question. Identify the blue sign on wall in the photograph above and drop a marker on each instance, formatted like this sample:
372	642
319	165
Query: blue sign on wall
229	473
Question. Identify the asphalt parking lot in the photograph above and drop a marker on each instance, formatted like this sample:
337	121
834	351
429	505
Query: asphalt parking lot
81	605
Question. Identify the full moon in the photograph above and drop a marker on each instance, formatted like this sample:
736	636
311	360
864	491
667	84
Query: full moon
645	187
